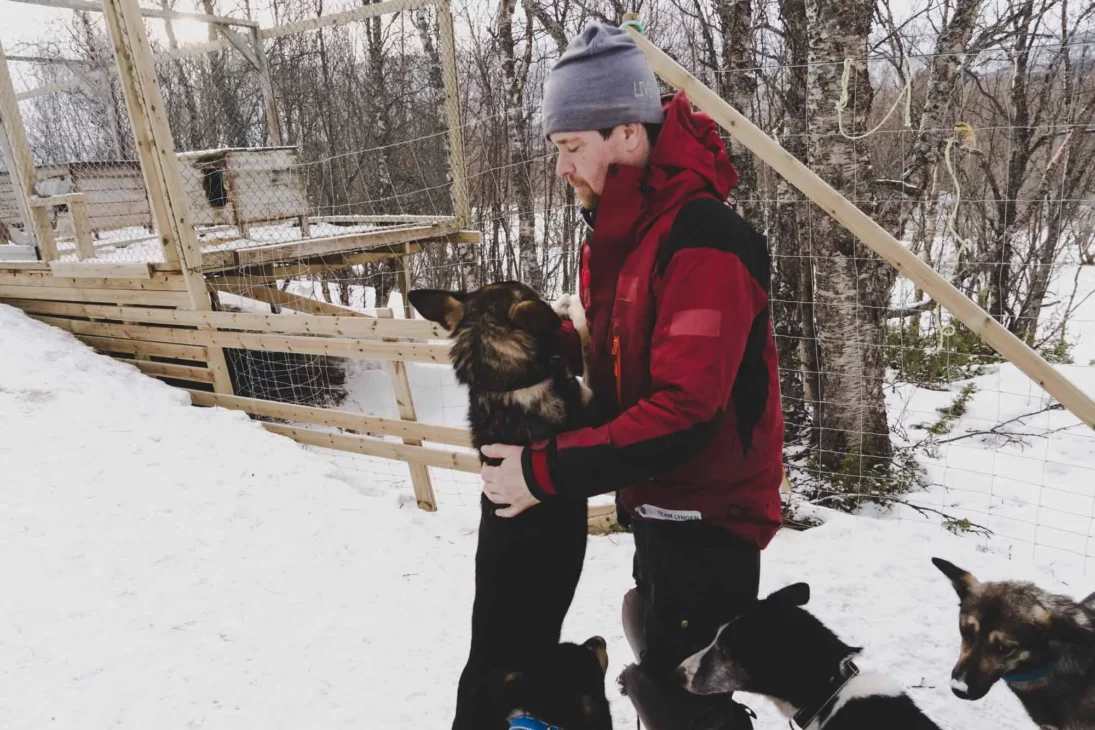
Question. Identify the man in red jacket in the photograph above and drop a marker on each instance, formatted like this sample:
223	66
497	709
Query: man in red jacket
675	287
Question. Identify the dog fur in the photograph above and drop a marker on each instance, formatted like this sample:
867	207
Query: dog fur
780	650
1014	629
563	687
526	567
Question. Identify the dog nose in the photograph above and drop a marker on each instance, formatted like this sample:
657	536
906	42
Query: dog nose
960	688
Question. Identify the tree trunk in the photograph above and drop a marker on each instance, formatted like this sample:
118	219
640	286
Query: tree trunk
852	284
738	86
516	76
791	262
1019	132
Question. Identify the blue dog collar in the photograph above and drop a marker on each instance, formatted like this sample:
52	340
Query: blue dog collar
524	722
1033	674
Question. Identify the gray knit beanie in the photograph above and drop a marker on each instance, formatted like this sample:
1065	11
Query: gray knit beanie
602	80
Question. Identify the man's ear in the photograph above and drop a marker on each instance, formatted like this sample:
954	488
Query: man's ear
444	307
962	581
536	317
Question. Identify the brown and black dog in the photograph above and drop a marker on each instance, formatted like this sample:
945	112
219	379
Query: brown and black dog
1041	644
505	350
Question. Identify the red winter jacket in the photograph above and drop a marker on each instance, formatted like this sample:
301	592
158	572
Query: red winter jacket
675	286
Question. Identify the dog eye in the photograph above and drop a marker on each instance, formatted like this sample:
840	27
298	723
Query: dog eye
1003	649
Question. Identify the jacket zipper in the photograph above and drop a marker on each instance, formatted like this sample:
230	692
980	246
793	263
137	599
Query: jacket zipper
616	369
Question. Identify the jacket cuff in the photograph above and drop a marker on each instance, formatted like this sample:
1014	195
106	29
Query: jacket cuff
534	464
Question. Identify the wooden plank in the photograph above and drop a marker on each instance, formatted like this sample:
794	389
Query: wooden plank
81	229
107	296
125	270
401	386
336	244
327	346
871	233
330	347
194	50
357	422
157	281
602	519
92	7
458	171
12	267
9	252
327	265
152	349
298	324
382	219
16	153
125	331
159	163
273	295
273	121
51	201
383	449
133	93
174	372
43	232
349	16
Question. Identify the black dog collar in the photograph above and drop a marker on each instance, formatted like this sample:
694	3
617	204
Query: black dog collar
846	673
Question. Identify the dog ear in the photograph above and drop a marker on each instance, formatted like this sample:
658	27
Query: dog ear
536	317
599	647
796	594
444	307
1071	626
962	581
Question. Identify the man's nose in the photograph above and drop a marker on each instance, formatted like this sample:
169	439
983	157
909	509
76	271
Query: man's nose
563	166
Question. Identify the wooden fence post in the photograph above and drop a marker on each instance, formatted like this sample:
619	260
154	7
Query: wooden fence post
401	384
20	163
156	149
457	162
871	233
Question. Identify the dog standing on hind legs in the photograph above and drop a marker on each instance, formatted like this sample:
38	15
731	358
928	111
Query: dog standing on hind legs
505	351
1042	645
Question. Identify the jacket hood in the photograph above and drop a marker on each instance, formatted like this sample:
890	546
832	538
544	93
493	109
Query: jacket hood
689	155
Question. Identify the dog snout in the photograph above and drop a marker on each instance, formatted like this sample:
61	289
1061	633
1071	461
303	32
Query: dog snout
959	686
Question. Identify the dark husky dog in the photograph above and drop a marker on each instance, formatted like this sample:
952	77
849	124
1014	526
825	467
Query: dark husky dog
780	650
562	687
1041	644
527	567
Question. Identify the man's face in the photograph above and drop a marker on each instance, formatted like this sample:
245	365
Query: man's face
583	162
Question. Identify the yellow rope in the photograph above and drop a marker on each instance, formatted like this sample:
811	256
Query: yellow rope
842	103
963	134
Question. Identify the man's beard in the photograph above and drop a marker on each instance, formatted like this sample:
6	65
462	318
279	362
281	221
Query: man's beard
586	196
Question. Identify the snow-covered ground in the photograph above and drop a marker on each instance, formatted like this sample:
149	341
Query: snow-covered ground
170	567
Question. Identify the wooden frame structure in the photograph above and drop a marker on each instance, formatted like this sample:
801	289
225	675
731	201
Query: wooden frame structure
869	232
162	317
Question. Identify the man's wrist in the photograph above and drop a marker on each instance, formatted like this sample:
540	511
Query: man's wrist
537	472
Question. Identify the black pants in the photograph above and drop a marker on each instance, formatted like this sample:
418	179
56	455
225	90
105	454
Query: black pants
692	577
526	570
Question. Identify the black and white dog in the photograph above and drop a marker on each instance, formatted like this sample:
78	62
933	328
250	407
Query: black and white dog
780	650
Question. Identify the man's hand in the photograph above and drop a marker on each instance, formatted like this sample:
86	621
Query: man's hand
505	484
